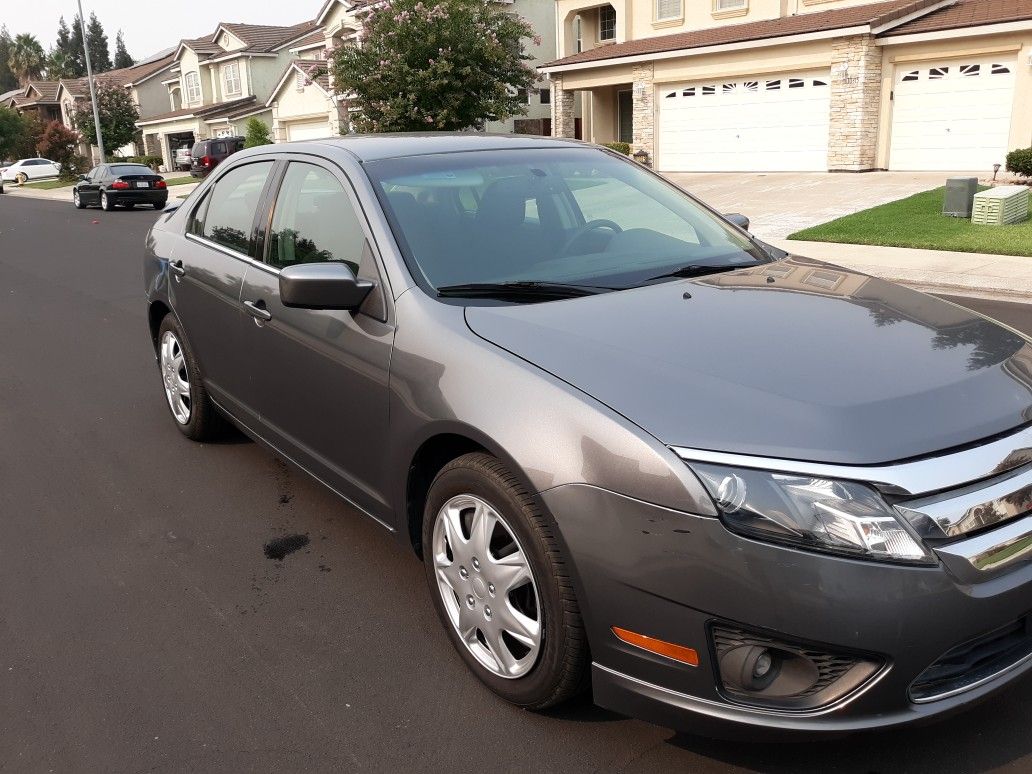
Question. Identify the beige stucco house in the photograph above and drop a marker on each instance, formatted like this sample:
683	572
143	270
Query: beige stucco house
850	85
217	82
304	103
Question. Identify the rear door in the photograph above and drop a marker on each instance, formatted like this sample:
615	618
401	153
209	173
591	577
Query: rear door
207	271
321	375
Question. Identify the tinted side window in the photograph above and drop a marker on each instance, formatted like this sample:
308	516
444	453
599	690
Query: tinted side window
314	220
197	150
232	205
218	148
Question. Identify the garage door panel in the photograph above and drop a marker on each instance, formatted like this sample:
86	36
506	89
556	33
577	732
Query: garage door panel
746	124
308	130
952	115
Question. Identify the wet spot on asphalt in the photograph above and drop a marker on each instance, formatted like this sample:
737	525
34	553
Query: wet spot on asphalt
279	548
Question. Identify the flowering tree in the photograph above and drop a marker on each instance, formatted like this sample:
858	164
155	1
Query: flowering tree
435	65
118	116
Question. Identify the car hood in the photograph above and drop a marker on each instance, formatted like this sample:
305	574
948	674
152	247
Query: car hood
796	359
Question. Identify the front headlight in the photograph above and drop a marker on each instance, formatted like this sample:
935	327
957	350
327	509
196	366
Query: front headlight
841	517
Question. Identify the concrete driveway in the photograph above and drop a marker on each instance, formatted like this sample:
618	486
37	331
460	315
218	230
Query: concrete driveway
781	203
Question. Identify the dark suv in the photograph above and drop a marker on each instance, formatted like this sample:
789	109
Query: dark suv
208	154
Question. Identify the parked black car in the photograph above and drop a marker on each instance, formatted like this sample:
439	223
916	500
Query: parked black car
208	154
110	185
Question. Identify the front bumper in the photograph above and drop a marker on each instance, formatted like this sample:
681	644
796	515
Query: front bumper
670	575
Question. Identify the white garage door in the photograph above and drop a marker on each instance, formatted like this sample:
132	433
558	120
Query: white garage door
773	123
952	115
308	130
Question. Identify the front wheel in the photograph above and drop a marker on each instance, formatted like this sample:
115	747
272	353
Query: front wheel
77	201
105	202
500	585
192	409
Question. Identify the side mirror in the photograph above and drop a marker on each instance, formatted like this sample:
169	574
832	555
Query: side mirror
322	286
82	177
738	219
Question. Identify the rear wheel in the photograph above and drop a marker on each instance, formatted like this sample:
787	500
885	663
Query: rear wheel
158	205
77	200
192	409
500	585
106	203
129	205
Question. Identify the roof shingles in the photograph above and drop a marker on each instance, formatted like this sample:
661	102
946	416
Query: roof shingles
967	13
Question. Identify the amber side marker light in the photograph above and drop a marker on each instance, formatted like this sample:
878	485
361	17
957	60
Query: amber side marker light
679	653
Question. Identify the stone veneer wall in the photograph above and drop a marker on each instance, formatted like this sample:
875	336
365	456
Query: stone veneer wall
856	71
643	115
563	122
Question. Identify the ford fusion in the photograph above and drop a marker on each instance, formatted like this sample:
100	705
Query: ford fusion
635	448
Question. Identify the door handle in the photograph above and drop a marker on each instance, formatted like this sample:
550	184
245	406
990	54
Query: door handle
176	267
257	309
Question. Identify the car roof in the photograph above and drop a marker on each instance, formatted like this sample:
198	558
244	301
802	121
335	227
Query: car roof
371	147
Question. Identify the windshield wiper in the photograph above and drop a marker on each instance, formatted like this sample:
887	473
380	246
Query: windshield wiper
518	289
698	270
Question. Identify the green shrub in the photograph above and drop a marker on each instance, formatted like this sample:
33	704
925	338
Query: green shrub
1020	162
619	147
257	133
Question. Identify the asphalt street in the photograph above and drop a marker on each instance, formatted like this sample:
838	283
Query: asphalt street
143	628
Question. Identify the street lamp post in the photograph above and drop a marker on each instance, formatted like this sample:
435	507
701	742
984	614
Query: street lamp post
93	88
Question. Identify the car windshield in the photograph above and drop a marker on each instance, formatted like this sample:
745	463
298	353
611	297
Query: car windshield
130	169
575	216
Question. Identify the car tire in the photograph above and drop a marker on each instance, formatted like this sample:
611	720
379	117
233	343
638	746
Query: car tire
77	201
525	538
106	202
176	365
21	178
158	205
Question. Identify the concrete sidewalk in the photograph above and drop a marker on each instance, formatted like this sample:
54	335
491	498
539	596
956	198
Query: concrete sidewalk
1000	277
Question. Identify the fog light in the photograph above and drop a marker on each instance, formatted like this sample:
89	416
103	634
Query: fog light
759	670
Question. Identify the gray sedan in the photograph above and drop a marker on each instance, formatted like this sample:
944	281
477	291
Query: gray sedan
634	447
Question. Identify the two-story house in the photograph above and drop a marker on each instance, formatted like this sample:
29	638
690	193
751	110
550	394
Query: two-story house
217	82
143	81
766	85
305	105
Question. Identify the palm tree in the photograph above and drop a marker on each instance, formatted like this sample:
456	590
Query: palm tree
58	65
27	58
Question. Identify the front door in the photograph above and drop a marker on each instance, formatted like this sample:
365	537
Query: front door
320	376
207	272
625	116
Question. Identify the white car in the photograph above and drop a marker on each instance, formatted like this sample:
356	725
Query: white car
184	159
30	169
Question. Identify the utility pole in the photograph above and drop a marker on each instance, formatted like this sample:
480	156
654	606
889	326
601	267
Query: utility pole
93	88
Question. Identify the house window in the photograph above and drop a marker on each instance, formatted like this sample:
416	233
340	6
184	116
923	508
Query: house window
193	88
231	79
668	9
607	23
546	96
299	81
1000	69
578	39
729	5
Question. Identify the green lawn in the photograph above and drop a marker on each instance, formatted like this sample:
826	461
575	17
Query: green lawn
46	185
918	221
180	181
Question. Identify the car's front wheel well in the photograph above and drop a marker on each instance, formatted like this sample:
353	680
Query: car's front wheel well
155	314
434	454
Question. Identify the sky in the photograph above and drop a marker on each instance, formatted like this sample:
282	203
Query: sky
150	27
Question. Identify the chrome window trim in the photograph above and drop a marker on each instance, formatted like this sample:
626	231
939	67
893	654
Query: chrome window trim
915	477
230	252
